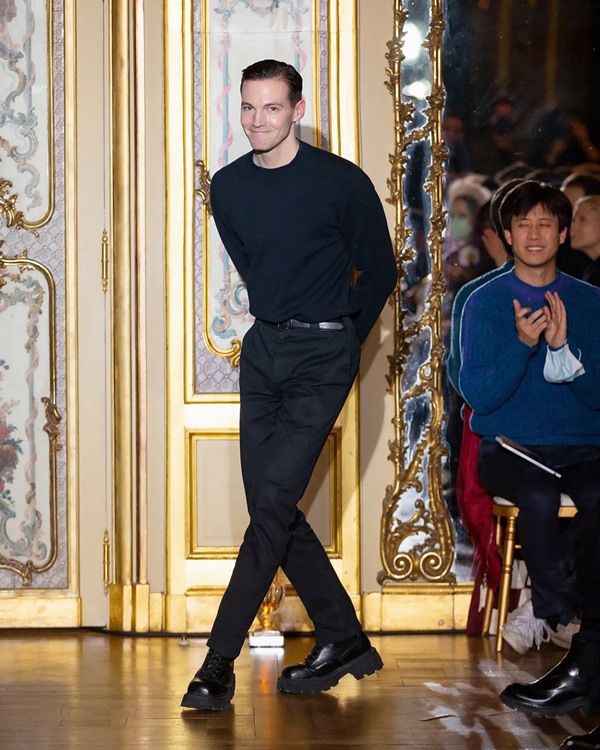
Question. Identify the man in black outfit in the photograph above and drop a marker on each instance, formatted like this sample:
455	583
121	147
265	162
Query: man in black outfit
297	222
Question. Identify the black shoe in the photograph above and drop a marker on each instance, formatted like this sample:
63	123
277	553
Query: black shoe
213	684
590	741
572	683
326	665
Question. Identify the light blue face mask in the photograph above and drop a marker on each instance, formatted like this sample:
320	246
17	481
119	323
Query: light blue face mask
460	228
562	366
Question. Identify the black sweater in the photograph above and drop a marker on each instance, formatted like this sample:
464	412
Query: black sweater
295	233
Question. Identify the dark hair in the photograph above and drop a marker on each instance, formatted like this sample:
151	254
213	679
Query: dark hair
587	182
527	195
495	204
264	69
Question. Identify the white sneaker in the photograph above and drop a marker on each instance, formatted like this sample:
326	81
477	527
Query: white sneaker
522	629
563	635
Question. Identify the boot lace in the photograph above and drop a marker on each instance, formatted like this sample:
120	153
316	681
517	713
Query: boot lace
213	664
310	659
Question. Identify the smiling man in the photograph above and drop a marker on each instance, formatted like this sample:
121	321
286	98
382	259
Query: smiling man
297	223
524	380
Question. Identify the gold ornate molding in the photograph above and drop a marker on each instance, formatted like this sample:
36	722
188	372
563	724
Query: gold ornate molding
203	189
421	547
234	352
8	207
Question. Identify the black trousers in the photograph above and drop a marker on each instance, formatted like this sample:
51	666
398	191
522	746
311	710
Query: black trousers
537	494
293	385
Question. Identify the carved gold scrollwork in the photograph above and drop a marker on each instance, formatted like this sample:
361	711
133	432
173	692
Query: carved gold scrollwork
429	553
8	207
53	418
203	189
233	354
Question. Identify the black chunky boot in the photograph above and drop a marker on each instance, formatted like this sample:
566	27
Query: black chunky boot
326	664
572	683
590	741
213	684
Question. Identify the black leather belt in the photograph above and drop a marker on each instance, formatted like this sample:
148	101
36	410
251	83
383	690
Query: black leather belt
328	325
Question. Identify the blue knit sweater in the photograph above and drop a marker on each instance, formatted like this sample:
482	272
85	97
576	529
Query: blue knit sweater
458	306
502	378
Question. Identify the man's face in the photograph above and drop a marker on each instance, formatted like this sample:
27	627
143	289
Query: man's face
585	229
535	237
267	114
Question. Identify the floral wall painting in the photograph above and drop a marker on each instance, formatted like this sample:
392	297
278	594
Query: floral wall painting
28	419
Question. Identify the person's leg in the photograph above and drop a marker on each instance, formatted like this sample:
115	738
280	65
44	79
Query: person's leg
293	385
537	495
575	681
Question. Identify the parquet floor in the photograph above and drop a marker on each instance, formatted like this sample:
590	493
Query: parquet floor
82	689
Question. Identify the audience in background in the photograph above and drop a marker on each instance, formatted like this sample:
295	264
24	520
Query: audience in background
585	235
578	184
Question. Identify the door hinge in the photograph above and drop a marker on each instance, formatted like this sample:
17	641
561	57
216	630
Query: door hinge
104	261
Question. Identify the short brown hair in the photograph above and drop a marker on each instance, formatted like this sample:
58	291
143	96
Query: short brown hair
264	69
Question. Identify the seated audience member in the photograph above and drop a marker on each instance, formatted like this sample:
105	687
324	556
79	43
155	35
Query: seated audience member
462	250
522	380
578	184
585	235
571	258
575	681
473	500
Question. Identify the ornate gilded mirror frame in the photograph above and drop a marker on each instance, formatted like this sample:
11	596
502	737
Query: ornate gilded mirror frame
417	536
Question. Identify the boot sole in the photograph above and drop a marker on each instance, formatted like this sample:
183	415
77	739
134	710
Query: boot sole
363	665
207	702
549	712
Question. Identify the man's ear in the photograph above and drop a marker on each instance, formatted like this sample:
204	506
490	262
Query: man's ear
300	109
508	237
563	235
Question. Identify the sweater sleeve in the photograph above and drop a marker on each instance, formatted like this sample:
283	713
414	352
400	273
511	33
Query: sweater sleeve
493	361
454	355
587	390
231	241
367	237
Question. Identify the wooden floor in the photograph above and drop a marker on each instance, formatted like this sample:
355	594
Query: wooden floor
80	689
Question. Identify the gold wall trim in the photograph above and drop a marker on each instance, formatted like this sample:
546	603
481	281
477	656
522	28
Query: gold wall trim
71	300
431	555
417	608
121	236
141	323
196	552
60	610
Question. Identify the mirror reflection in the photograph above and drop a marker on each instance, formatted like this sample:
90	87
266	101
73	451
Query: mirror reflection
522	101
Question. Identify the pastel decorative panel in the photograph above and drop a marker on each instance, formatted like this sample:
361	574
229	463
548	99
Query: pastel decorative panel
32	152
228	36
28	419
26	80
